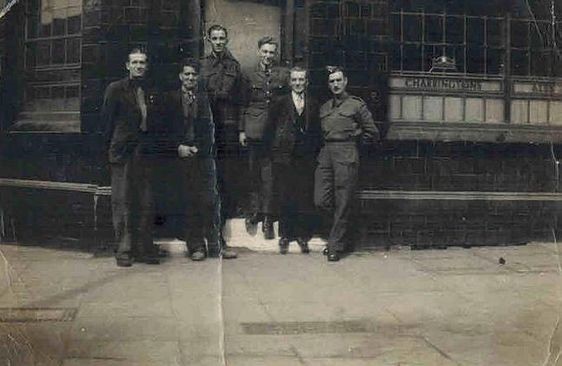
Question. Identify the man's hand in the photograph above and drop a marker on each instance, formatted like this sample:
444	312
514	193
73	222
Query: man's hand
185	151
242	139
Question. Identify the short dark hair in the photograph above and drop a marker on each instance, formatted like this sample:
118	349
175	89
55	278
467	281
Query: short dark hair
267	40
139	49
190	62
333	69
217	27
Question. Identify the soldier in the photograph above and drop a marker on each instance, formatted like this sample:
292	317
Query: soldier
266	82
129	114
346	123
224	83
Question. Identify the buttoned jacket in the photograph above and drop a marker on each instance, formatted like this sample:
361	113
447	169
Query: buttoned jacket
262	90
288	140
347	119
224	83
122	118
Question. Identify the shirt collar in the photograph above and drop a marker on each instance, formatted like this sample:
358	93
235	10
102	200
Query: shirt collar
338	101
297	96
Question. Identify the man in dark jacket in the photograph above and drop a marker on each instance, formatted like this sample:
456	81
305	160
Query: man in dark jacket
224	84
346	123
265	83
189	126
129	112
294	134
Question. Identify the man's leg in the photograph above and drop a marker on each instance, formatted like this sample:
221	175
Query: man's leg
324	190
146	249
282	183
254	178
191	220
346	164
120	207
266	194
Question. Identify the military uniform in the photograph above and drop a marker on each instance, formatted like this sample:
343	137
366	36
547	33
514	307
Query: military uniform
224	83
263	87
346	122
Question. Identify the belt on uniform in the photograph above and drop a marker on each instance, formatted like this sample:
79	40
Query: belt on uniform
340	141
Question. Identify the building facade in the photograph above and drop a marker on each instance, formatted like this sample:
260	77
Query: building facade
466	93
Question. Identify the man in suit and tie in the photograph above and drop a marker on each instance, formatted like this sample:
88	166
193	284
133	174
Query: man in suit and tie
189	124
265	83
128	113
294	135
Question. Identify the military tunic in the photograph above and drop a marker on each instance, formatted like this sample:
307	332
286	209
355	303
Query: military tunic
346	123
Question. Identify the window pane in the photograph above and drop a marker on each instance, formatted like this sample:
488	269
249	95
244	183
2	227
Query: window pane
58	51
475	31
475	60
434	29
43	53
519	62
412	27
494	32
455	30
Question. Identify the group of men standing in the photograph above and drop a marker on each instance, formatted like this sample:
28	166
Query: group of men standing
306	153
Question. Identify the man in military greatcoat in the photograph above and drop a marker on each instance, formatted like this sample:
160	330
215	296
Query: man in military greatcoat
224	84
346	123
265	83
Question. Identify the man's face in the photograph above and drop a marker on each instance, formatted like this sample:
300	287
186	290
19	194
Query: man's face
189	77
267	53
218	40
137	65
337	83
298	81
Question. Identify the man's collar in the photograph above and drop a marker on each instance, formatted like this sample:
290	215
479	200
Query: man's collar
187	91
296	95
134	83
224	55
339	100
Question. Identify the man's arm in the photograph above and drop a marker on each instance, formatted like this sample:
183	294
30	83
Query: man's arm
370	133
108	109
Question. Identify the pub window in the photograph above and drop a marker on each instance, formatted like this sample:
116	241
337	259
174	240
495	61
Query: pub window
478	36
52	66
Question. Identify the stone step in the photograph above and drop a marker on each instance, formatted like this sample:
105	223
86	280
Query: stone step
236	236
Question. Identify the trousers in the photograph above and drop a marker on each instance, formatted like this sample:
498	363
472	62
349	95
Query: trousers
335	184
132	206
260	171
294	181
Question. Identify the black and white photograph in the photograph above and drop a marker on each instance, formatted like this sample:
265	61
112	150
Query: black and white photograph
280	182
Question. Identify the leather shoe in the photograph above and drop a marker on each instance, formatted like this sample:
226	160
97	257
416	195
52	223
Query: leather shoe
267	228
283	246
325	251
228	253
124	261
333	257
198	256
303	244
251	225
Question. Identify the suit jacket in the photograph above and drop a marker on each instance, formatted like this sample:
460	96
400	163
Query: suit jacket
261	91
172	130
122	118
285	138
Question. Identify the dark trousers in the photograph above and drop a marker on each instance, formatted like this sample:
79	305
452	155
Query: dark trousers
260	173
334	189
230	168
132	206
294	181
201	204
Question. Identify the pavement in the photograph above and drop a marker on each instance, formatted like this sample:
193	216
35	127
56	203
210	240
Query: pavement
480	306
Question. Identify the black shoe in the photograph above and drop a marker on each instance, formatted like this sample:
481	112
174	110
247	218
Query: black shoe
251	225
228	253
325	251
124	261
333	257
303	244
267	228
198	256
283	246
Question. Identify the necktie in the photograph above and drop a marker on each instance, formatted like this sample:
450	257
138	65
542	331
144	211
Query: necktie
142	105
300	104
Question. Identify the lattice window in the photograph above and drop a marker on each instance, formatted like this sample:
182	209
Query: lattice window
52	66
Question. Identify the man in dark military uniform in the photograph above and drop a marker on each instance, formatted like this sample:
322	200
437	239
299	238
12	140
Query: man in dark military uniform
224	83
346	123
265	83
